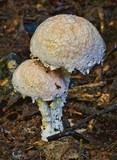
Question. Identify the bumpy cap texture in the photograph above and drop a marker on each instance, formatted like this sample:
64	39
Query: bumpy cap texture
67	41
32	79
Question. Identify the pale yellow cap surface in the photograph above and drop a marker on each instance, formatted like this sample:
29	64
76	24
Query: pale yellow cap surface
67	41
32	79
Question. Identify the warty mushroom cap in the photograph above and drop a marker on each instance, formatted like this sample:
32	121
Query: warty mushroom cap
67	41
32	79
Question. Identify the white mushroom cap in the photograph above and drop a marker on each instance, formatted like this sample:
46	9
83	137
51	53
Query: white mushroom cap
68	41
32	79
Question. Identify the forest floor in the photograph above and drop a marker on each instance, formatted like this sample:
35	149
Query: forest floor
20	120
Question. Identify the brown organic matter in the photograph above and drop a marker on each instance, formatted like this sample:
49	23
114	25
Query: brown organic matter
20	120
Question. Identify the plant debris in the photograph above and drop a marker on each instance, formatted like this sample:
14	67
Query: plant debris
20	120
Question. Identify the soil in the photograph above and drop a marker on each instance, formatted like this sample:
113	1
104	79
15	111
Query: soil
20	120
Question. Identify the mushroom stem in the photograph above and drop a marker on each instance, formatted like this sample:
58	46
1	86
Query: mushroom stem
57	104
66	75
56	111
47	129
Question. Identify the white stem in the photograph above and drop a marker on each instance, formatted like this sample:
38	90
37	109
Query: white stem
56	112
47	129
57	104
66	76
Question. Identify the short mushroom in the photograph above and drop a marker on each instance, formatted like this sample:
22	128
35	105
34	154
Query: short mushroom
32	79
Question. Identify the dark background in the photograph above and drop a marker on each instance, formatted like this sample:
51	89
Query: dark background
20	120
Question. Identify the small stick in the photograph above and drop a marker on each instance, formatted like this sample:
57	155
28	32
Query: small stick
112	50
98	84
71	131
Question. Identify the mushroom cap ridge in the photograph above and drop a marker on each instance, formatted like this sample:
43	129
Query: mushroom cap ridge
67	41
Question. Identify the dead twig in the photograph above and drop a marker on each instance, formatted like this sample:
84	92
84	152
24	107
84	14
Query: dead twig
71	131
112	50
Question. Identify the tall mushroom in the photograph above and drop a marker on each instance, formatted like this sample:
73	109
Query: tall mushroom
32	79
67	42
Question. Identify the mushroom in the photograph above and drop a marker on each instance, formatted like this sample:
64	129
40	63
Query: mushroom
32	79
69	42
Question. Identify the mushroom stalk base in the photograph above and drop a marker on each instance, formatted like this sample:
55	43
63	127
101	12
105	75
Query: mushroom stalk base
56	111
47	129
51	116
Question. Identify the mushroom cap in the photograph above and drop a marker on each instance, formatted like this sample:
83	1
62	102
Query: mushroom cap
32	79
67	41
